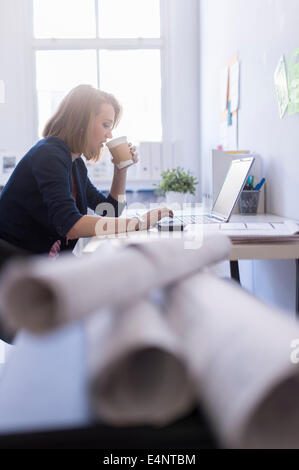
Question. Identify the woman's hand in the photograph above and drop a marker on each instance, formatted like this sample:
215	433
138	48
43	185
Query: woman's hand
134	158
151	217
133	153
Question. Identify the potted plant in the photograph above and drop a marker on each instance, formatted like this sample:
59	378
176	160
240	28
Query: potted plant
175	184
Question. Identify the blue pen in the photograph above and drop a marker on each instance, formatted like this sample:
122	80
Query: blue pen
258	186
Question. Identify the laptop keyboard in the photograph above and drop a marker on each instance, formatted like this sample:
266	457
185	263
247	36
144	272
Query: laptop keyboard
190	219
195	219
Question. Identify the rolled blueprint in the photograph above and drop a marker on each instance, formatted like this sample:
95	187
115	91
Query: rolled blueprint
137	372
40	294
238	352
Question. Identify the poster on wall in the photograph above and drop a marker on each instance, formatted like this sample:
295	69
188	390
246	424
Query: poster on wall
229	89
281	86
229	134
234	74
294	83
7	164
224	88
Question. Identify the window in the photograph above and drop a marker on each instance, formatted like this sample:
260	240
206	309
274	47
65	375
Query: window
134	18
57	72
115	45
64	19
139	90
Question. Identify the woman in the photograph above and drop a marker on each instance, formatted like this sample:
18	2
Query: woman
44	204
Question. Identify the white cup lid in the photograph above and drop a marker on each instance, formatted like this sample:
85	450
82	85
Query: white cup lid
114	142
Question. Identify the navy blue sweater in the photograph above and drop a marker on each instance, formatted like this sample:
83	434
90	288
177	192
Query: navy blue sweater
36	205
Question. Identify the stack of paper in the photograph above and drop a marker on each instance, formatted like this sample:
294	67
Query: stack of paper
267	232
249	232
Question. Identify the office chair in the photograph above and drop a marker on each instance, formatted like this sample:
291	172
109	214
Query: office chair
7	253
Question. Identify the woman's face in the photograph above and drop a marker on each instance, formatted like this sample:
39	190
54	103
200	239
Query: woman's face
102	127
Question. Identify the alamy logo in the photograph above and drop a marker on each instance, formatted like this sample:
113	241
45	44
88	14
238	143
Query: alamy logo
294	356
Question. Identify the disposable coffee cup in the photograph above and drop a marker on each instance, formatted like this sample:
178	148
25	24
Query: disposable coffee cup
120	151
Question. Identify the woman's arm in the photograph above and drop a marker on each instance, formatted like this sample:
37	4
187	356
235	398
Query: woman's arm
101	204
90	225
118	187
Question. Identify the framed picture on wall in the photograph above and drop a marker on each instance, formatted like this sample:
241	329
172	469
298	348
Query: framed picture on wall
8	163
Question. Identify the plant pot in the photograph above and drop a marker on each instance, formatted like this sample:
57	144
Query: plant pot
173	197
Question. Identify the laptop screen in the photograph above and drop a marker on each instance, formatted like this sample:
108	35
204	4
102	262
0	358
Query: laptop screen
232	186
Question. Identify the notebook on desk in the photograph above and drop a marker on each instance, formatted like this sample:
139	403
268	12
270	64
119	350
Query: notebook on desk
226	199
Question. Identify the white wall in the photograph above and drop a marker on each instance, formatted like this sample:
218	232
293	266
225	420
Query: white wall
260	31
183	82
17	129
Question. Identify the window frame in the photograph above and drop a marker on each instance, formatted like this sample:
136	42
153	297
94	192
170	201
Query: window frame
97	43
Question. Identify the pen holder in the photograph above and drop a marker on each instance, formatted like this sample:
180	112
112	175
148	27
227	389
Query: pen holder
248	201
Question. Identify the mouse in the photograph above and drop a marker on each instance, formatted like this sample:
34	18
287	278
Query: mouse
170	225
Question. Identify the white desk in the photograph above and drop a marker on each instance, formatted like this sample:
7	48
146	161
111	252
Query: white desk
278	250
285	250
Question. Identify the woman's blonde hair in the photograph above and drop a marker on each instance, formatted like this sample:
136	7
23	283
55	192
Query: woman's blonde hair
73	120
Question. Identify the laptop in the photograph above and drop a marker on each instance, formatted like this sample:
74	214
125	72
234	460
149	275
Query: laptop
225	202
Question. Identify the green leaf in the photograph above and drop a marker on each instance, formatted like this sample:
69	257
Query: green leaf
176	179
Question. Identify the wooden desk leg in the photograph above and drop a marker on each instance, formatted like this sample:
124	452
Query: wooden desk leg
297	288
234	271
